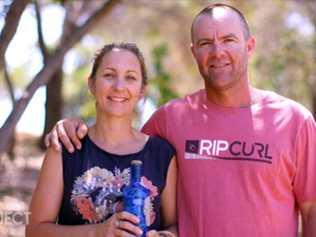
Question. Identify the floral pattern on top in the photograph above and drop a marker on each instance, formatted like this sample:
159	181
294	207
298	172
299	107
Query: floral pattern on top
98	194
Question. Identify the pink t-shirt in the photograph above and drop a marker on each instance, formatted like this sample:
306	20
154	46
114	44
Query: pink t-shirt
242	171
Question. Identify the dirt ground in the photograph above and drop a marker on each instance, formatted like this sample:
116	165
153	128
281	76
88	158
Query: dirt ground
17	182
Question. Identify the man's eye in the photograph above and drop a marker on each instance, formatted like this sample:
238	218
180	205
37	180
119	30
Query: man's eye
203	43
229	40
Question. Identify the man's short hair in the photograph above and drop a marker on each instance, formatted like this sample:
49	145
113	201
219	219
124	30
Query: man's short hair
209	11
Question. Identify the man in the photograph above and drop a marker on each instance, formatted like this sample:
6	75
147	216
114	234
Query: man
246	157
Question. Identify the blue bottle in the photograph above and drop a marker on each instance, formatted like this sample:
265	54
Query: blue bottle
134	195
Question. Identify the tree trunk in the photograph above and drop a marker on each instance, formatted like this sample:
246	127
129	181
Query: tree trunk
8	31
12	20
54	97
54	103
314	105
12	142
12	97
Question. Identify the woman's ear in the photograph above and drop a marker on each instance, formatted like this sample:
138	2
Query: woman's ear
142	92
142	96
91	85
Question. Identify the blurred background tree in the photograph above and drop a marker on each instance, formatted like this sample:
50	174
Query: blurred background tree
161	82
284	60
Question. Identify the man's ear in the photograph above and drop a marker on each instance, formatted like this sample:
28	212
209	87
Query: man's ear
192	49
91	85
251	44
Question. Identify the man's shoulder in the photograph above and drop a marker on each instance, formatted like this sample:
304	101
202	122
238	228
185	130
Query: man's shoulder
170	114
185	102
276	101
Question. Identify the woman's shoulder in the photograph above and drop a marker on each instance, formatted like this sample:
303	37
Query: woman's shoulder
161	144
159	140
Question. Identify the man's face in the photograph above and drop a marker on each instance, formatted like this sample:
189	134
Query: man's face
221	50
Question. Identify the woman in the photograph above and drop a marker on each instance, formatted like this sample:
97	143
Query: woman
85	187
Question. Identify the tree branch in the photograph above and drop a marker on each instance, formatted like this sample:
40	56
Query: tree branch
40	36
9	83
11	23
50	67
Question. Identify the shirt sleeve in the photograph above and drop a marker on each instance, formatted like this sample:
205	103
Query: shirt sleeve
156	125
305	178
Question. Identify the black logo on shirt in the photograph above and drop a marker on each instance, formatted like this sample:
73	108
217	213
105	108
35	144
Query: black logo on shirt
221	149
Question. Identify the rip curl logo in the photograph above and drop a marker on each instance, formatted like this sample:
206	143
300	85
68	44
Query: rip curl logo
224	150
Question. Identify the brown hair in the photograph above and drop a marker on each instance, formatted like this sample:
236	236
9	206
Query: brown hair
131	47
209	11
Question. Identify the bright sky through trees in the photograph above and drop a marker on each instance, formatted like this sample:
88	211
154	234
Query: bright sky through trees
22	51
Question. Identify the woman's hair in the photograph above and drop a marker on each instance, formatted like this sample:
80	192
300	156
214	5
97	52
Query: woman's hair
131	47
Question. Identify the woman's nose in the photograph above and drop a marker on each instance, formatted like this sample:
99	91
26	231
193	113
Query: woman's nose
119	84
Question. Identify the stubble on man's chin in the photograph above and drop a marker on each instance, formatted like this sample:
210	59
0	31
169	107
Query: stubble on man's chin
211	85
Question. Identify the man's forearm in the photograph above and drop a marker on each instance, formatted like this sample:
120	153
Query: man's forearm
170	231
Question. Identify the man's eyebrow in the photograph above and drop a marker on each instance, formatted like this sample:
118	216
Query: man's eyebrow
230	35
205	40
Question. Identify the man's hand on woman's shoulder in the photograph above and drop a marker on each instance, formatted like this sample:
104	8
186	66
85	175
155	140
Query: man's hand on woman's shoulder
67	131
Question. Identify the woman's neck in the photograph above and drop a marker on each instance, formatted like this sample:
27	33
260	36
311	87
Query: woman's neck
116	135
112	130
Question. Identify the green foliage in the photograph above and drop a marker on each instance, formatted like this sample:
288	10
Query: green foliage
76	91
87	110
283	61
18	77
162	80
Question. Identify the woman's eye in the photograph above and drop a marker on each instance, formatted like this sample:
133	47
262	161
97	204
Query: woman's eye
108	76
131	78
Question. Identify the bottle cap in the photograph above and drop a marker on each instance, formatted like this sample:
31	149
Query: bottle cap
136	162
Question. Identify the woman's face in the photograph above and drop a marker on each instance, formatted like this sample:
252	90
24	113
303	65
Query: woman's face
117	86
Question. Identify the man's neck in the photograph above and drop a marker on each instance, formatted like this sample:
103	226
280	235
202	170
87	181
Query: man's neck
232	97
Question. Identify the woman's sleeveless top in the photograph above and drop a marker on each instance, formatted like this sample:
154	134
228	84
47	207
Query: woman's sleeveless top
94	180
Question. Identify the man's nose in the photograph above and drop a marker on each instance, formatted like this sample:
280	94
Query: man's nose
216	49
